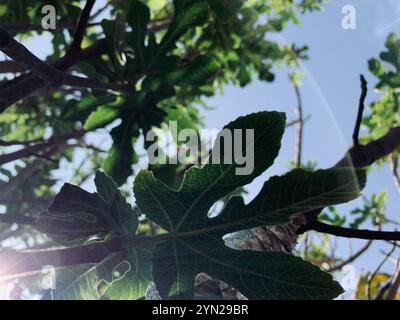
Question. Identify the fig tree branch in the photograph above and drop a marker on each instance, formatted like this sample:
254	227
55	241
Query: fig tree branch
46	72
41	146
299	127
360	112
351	233
81	28
25	85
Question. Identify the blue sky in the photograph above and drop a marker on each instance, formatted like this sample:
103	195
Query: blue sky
330	93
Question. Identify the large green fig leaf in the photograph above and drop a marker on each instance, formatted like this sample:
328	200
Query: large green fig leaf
196	243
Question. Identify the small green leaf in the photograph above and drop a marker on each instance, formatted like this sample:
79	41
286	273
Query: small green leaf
188	14
100	118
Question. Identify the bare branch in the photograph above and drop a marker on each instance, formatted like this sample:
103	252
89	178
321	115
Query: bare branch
351	233
394	287
371	277
41	147
351	259
81	28
10	66
23	86
299	127
18	142
394	167
294	122
46	72
23	56
365	155
364	91
7	189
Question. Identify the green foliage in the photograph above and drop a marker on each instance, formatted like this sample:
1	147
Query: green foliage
197	47
384	112
373	210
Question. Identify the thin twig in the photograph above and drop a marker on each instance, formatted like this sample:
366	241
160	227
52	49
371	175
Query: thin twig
377	270
394	287
351	258
394	167
100	10
18	142
299	128
364	91
294	122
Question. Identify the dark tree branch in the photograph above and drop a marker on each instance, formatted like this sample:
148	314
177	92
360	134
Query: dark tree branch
80	82
23	86
48	73
365	155
7	189
10	66
26	85
364	91
18	142
81	28
41	147
351	233
24	57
